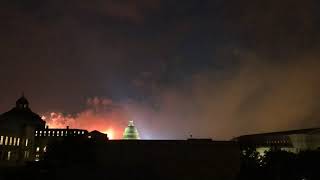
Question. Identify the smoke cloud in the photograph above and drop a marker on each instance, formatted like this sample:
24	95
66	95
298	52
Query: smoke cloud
100	114
255	96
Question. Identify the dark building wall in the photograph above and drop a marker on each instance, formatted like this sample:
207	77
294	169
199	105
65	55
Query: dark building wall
291	141
151	159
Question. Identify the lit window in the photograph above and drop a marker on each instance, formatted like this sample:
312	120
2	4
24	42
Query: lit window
82	132
14	141
6	141
36	132
48	133
27	140
89	137
53	133
10	141
40	132
74	132
45	149
18	142
9	155
37	157
1	140
78	132
26	154
44	133
38	149
61	133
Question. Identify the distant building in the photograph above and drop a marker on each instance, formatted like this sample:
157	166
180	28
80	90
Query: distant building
45	137
97	136
131	132
291	141
24	137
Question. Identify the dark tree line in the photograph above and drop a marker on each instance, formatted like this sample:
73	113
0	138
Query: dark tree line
280	165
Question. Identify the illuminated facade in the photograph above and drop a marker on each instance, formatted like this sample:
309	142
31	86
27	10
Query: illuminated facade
24	137
131	132
44	137
291	141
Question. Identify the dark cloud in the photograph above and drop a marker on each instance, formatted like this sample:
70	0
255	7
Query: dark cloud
275	28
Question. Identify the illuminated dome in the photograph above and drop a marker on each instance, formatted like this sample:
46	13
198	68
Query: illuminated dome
131	132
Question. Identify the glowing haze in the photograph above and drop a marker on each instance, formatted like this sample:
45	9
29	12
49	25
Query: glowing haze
101	114
251	98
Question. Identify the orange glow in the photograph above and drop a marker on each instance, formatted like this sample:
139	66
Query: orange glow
110	133
112	126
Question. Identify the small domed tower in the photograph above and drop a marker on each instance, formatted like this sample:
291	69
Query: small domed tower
22	103
131	132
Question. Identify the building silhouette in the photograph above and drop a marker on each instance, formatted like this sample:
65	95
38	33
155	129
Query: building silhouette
291	141
24	136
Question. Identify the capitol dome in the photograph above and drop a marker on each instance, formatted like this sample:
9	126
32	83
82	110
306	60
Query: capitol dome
131	132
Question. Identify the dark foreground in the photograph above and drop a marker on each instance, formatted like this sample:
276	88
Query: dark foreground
192	159
165	160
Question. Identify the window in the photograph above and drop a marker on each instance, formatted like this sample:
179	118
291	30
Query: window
14	141
37	149
27	140
9	155
6	141
18	142
26	154
61	133
45	149
10	141
44	133
1	140
78	132
82	132
37	157
48	133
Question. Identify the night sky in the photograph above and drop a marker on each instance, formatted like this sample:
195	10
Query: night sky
210	68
